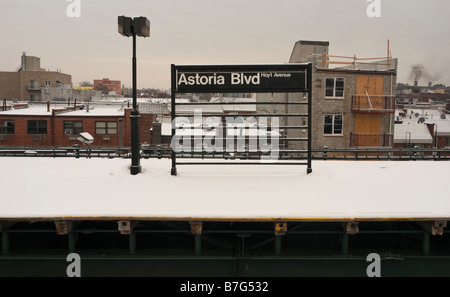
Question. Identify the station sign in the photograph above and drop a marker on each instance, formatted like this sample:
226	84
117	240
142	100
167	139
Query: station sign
241	78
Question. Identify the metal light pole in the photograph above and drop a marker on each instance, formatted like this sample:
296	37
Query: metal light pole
139	26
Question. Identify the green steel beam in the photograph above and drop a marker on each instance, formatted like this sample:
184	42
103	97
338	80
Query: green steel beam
5	242
132	243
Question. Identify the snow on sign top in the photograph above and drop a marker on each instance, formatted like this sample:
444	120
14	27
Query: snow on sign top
70	188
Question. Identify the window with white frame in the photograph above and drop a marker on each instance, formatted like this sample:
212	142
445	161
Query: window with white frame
333	124
106	128
334	87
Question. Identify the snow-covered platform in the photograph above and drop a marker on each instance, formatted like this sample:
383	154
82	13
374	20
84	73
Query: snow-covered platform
103	189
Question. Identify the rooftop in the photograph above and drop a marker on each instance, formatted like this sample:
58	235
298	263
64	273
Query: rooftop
414	133
42	110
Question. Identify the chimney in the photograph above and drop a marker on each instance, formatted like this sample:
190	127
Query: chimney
24	58
155	136
416	83
430	84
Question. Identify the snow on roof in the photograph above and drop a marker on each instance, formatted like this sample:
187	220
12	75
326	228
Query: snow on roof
414	133
95	111
101	188
443	126
42	110
31	110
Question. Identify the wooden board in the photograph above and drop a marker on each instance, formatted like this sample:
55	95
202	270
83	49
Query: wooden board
366	123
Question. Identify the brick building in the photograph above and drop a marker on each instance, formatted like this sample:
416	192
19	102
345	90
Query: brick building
28	81
106	85
50	125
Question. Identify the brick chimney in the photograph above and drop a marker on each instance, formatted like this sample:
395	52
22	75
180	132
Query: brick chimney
155	134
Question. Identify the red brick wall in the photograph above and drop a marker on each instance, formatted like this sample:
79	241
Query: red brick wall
21	136
112	85
55	130
61	139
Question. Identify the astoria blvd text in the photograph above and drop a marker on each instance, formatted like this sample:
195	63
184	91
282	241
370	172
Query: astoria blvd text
234	78
240	78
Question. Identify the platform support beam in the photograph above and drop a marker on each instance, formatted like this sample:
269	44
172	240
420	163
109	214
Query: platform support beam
426	243
72	241
5	242
196	230
132	243
280	230
344	243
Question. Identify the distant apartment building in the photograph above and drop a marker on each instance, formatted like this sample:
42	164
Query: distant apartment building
353	104
106	86
28	81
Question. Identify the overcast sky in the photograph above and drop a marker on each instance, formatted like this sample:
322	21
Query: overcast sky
220	32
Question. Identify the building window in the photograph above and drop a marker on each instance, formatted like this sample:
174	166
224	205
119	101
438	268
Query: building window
73	127
333	124
37	127
106	128
48	83
34	84
334	87
447	141
6	127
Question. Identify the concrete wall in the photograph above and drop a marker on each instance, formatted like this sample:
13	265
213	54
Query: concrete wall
63	94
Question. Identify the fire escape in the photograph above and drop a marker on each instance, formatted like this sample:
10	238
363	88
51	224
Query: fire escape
372	105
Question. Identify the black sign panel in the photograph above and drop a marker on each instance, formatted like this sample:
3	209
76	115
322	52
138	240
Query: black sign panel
241	78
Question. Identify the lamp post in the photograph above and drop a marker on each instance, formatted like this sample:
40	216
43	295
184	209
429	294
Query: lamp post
139	26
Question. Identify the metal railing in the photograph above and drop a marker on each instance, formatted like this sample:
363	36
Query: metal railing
371	140
161	152
34	87
373	104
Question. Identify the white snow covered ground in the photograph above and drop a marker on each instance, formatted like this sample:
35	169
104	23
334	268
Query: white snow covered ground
70	188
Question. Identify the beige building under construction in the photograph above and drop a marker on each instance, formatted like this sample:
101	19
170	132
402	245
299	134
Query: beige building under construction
353	99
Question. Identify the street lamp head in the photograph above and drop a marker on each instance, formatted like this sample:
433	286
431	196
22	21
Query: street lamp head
125	27
139	26
142	27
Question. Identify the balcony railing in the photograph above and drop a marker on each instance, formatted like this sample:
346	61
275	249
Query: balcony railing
371	140
373	103
33	87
